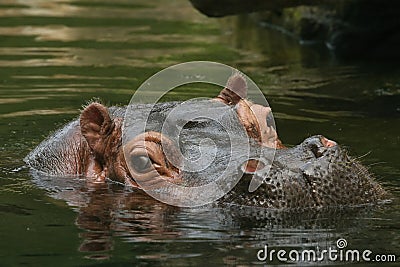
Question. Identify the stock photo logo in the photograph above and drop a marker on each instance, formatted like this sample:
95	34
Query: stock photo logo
338	252
194	152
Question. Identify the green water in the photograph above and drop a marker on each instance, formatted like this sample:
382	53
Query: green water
56	56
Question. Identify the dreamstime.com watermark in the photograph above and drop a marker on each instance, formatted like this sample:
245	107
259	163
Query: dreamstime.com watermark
339	253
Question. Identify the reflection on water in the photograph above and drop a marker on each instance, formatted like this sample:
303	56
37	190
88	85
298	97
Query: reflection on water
106	212
56	56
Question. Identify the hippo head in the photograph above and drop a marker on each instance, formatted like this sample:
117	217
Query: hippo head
315	173
102	130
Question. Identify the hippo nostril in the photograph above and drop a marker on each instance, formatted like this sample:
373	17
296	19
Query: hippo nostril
318	145
327	143
316	151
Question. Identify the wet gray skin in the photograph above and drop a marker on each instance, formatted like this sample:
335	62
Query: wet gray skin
309	175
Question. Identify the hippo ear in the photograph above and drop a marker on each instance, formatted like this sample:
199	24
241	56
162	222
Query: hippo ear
96	125
235	89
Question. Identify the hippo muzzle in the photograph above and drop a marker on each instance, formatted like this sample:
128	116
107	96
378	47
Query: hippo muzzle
314	174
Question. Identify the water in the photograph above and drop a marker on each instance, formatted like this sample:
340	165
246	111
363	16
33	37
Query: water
56	56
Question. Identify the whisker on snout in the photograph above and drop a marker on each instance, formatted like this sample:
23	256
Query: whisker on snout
362	156
376	163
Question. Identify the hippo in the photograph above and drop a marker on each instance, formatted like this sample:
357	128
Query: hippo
317	173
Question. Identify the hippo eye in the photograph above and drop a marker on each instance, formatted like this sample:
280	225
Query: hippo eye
141	163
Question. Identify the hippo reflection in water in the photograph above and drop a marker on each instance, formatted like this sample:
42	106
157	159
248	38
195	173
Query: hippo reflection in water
316	173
